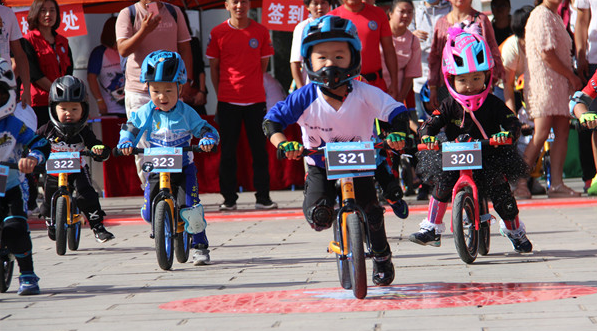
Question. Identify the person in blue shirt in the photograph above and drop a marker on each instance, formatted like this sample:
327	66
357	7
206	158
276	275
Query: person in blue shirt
334	108
167	122
16	137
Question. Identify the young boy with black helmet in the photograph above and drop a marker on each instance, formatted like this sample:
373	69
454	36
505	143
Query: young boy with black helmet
68	132
332	108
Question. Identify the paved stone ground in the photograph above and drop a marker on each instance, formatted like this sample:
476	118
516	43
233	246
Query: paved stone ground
119	286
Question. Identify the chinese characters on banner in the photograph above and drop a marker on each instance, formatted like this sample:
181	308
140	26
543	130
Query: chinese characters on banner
283	15
72	25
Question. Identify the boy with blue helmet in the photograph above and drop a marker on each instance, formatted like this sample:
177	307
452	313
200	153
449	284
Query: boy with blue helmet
168	122
16	138
332	108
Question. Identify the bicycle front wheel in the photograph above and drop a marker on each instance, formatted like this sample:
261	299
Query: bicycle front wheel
182	246
164	235
343	267
6	268
466	238
356	256
61	225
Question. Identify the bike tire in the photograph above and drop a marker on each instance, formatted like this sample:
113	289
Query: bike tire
343	265
6	268
61	225
182	246
164	235
484	238
466	238
73	234
356	259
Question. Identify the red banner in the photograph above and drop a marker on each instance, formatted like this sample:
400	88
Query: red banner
72	25
283	15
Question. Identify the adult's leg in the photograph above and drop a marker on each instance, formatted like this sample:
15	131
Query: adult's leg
229	119
253	118
559	147
132	102
542	127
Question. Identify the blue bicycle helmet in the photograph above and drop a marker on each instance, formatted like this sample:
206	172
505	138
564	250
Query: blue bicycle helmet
331	28
163	66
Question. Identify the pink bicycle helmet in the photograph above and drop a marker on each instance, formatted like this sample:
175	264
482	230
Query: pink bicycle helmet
465	53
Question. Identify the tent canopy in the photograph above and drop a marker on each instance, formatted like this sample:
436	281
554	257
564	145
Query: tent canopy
111	6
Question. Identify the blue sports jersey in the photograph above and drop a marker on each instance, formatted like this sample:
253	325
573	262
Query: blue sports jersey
321	123
174	128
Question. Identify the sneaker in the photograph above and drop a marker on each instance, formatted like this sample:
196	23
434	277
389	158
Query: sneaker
201	255
28	285
101	234
426	237
592	190
400	208
266	204
383	270
228	206
51	230
519	240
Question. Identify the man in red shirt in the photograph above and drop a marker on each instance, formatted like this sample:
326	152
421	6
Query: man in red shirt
238	51
374	29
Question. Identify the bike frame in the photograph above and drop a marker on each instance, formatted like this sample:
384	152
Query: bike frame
165	194
63	191
466	180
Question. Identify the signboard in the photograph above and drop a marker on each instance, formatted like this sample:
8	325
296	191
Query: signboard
72	25
460	156
350	159
283	15
162	159
63	162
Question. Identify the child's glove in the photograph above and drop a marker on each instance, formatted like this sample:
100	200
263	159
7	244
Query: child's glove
101	153
501	134
588	117
208	141
286	147
126	144
396	136
428	139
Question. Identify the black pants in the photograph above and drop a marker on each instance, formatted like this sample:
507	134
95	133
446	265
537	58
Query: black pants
87	197
230	119
43	115
318	187
15	231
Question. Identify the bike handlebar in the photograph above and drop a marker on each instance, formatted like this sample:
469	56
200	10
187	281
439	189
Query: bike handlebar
136	150
321	150
484	142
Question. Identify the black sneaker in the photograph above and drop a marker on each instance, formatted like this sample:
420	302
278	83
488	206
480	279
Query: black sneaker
400	208
51	230
383	270
426	237
265	204
101	234
228	206
519	240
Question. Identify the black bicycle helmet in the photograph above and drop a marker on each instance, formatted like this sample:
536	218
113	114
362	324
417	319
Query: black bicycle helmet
68	89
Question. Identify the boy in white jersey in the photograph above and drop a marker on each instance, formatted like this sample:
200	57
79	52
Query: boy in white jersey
334	108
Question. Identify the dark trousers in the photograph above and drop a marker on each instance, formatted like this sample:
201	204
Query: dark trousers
230	119
15	231
318	187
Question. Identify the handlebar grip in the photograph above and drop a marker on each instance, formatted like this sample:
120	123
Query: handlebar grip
492	142
423	147
117	152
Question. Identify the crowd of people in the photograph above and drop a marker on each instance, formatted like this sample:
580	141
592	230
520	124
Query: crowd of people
356	67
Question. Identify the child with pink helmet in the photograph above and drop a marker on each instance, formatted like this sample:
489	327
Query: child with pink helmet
471	112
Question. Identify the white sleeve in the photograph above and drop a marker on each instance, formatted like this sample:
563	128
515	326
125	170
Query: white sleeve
297	36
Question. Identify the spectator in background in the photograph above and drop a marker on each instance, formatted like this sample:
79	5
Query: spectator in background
373	29
238	51
274	92
48	53
464	16
196	96
138	33
10	36
316	8
427	13
548	88
585	36
104	73
501	20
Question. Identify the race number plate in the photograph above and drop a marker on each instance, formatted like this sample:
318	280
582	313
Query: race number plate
162	159
349	159
3	179
460	156
63	162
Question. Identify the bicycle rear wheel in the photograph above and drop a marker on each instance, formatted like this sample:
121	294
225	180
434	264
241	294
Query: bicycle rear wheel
466	238
356	258
343	265
164	235
484	229
73	234
182	246
61	225
6	267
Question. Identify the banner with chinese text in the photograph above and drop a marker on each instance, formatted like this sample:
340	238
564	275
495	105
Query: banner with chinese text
72	25
283	15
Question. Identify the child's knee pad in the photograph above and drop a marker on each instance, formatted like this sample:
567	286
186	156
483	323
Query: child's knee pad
320	216
375	216
194	219
16	235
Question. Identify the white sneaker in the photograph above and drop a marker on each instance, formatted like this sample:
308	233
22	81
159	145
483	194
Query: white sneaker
201	256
